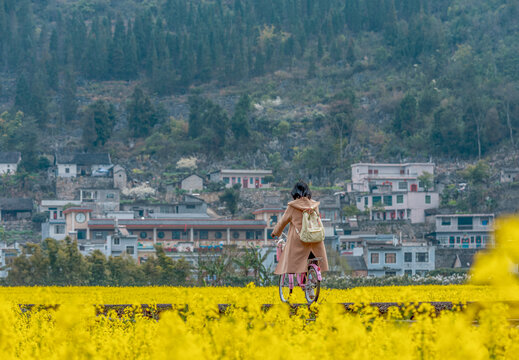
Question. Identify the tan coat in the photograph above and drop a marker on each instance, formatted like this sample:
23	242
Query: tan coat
294	257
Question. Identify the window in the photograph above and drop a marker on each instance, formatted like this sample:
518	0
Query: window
81	234
190	206
390	273
218	234
259	235
451	241
408	257
388	200
239	179
375	172
390	258
116	240
408	272
236	235
249	235
359	199
402	171
143	235
484	221
446	221
422	257
175	235
129	250
402	185
203	235
420	184
370	171
160	234
458	240
427	199
400	199
263	181
377	200
273	220
67	170
226	180
465	223
98	235
59	229
365	201
374	258
110	196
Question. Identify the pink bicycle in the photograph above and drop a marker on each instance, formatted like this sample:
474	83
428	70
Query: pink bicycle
310	281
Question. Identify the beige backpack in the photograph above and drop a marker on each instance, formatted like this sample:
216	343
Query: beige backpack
312	230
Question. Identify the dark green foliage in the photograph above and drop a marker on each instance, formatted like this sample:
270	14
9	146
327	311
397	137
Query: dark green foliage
406	122
142	115
231	197
98	122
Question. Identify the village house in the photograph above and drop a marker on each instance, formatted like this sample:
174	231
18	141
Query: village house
248	179
13	209
400	259
9	161
92	164
54	227
393	191
464	230
509	175
192	183
190	207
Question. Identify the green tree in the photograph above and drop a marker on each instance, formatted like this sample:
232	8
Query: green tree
98	123
142	115
231	197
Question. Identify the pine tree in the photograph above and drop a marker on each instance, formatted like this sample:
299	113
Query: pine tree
142	115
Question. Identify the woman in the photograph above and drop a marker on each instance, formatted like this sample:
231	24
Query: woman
294	258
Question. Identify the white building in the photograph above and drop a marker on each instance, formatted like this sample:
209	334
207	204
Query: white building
72	165
248	179
55	227
393	191
9	161
398	206
464	230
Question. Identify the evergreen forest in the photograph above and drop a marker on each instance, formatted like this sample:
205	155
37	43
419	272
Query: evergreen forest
303	87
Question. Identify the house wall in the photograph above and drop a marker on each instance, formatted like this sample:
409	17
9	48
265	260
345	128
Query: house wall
192	182
414	201
62	170
8	169
243	178
416	267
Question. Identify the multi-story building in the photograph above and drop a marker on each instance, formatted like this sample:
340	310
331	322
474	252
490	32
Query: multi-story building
393	191
248	179
402	259
464	230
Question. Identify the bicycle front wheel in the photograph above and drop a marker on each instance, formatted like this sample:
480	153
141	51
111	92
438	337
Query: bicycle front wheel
312	285
284	287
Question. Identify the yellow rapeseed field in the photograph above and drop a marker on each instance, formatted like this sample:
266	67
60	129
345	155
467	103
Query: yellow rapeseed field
246	331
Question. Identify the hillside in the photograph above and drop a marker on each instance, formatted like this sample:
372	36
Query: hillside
303	87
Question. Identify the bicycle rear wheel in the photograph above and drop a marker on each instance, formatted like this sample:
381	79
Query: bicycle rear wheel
312	285
284	287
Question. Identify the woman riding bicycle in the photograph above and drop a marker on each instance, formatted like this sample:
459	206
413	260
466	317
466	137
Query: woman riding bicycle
294	258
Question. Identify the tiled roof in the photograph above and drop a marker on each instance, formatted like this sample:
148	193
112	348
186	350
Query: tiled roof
84	159
16	204
356	262
10	157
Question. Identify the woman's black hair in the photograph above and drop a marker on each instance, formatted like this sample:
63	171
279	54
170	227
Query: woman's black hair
300	190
